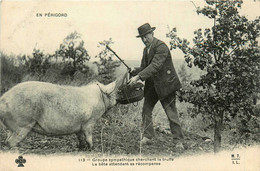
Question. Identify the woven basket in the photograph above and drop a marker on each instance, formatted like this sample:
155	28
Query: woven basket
129	94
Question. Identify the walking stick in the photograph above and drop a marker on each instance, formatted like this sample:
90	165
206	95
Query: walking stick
129	69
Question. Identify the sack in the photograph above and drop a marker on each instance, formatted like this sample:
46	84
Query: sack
128	94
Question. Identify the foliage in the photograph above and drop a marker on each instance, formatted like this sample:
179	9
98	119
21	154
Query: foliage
106	65
229	53
37	63
187	112
11	72
54	75
73	54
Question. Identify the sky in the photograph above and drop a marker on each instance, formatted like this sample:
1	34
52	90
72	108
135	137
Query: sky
22	30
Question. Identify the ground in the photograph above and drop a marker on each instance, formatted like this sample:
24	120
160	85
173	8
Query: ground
161	145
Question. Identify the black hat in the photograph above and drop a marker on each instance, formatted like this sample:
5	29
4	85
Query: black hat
144	29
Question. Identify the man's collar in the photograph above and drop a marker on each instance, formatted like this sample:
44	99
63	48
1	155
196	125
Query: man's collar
149	46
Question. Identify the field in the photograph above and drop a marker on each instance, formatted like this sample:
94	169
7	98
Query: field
118	132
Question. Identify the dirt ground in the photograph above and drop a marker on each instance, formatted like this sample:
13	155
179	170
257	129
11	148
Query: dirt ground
115	144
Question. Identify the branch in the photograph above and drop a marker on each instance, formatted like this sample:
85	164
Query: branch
192	47
232	51
214	51
194	5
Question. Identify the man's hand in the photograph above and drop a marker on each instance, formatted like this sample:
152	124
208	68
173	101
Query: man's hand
132	70
133	80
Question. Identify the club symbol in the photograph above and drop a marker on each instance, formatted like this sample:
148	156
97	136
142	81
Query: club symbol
20	161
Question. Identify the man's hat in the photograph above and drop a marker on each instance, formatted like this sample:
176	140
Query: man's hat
144	29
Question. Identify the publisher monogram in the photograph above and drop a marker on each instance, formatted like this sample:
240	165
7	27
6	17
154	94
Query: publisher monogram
235	159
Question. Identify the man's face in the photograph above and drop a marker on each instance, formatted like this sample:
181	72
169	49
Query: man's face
147	39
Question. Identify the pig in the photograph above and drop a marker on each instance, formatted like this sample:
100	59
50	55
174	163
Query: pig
54	110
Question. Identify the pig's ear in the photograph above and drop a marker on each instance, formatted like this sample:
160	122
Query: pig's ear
102	87
107	88
111	87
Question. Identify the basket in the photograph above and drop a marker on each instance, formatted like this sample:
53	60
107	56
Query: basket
129	94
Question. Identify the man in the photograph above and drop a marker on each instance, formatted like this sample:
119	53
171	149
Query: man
161	83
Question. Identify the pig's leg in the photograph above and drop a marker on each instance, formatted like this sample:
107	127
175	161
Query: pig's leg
19	134
12	126
88	130
82	140
9	133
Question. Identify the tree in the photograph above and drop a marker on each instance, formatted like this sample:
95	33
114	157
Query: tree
229	53
38	63
73	53
106	65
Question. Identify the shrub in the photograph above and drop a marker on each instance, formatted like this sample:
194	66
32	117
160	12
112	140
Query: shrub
11	72
106	65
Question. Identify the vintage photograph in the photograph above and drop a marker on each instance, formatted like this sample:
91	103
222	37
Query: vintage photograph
130	85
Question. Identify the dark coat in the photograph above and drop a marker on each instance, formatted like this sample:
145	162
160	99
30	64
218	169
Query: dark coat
157	70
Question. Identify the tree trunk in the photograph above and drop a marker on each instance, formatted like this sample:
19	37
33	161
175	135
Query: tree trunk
217	131
74	65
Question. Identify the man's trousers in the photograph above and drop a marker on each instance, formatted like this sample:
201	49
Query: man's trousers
169	106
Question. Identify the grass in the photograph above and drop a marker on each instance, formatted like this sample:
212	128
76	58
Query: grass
116	133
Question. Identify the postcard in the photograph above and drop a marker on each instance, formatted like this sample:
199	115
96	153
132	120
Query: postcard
81	83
